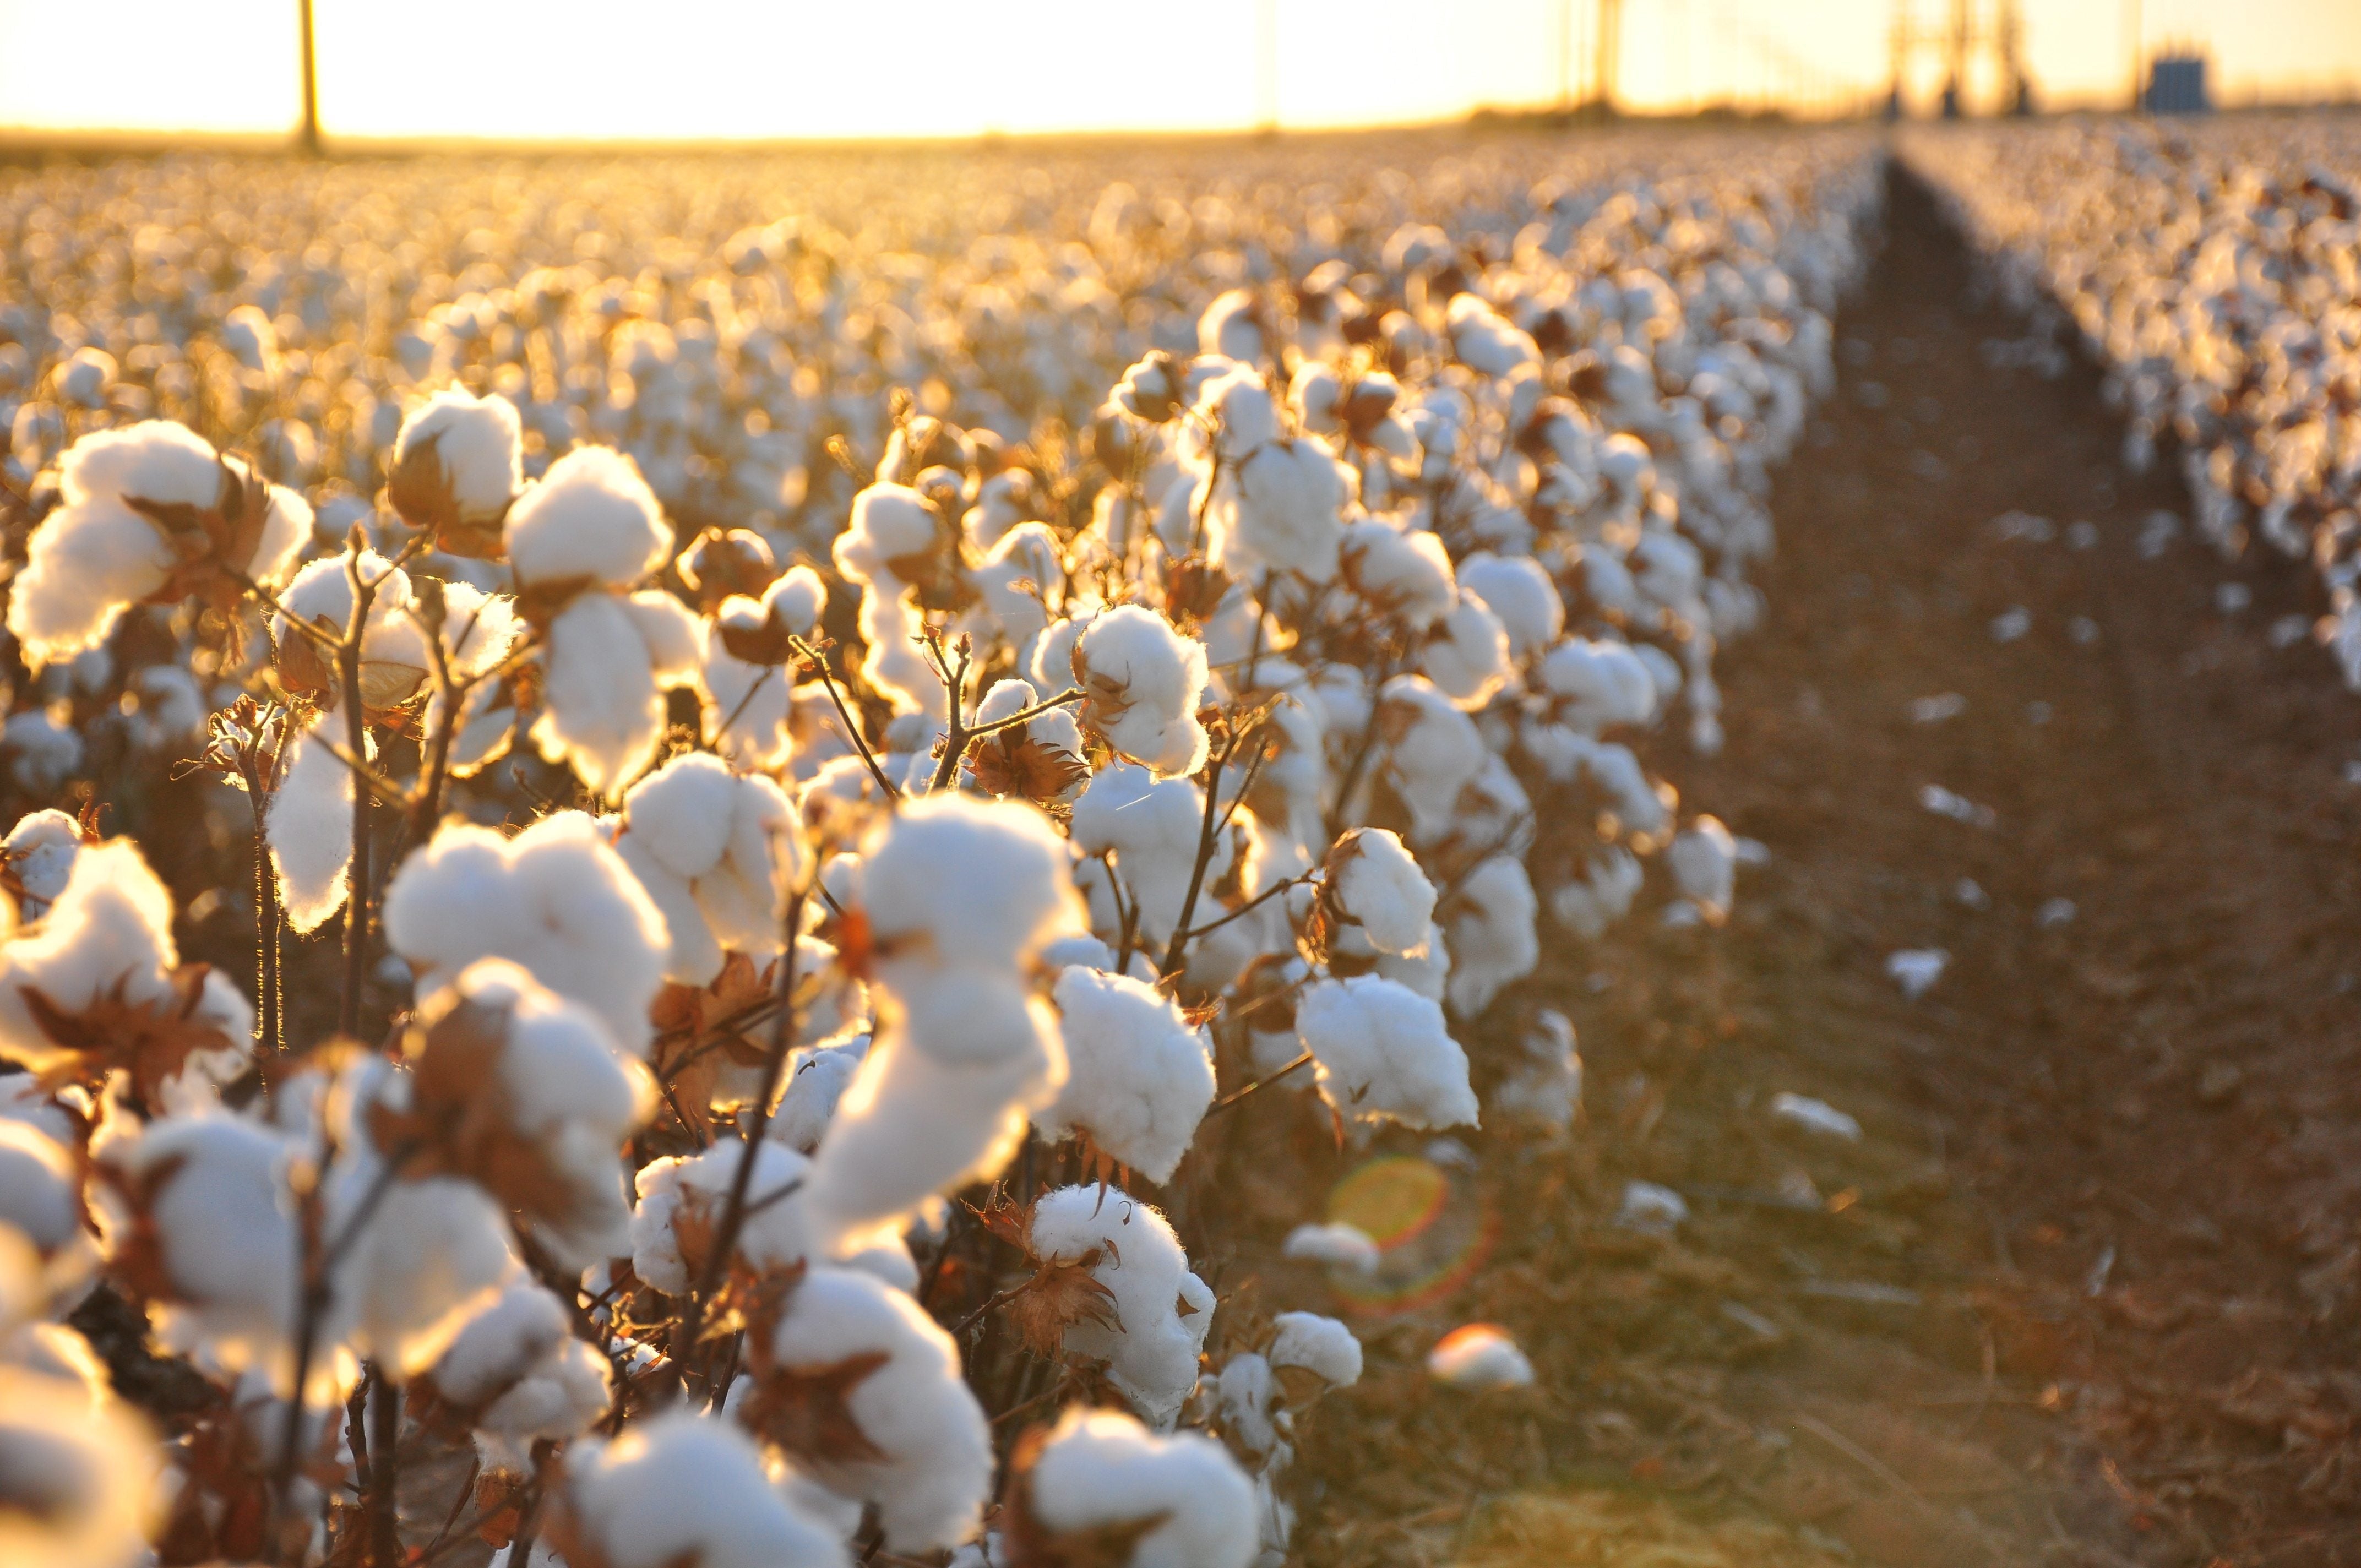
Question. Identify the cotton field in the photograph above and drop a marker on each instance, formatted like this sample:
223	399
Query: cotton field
778	743
2213	270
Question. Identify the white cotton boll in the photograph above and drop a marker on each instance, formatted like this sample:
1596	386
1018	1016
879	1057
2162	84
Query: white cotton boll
310	826
44	750
796	599
1916	970
77	1476
590	517
1321	1345
912	1124
1152	826
1651	1210
1375	883
1401	574
1381	1052
1338	1245
1602	894
164	708
678	1487
1543	1087
1232	327
1139	1077
394	658
1051	668
892	666
697	1186
213	1195
108	936
22	1099
1238	405
1518	590
603	711
1703	861
287	526
1252	1418
154	460
1289	495
522	1376
1162	1310
40	850
1816	1116
84	379
954	880
1016	575
1433	751
1484	341
1597	686
890	523
1489	924
1467	659
715	851
478	449
40	1193
692	954
748	707
816	1082
86	563
935	1474
430	1255
1142	683
1480	1358
1099	1471
1426	970
555	899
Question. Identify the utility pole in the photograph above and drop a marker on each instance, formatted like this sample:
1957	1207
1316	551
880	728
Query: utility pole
1564	55
307	138
1611	53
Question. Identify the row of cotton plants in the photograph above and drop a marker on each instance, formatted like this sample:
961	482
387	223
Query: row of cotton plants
2214	270
738	1004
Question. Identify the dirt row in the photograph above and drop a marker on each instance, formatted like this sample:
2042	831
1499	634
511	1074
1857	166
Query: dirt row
2086	1289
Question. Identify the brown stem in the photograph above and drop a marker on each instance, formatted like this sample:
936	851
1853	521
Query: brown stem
357	920
1226	1101
385	1437
1256	902
851	729
955	690
1208	836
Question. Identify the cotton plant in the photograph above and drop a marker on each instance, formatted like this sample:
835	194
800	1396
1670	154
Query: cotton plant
745	1119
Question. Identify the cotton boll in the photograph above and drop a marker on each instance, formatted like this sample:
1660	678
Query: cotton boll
1380	1052
681	1200
43	748
457	463
1489	921
893	667
22	1099
1153	826
429	1255
912	1124
1480	1358
76	1477
1468	657
1518	592
954	880
1338	1245
1543	1085
518	1376
1320	1346
1610	881
604	710
1373	884
1139	1078
1597	686
557	899
1286	517
1232	399
1099	1472
195	1210
891	539
591	518
748	707
1142	683
929	1462
715	851
86	563
1704	862
1015	577
1432	750
1252	1418
309	825
817	1079
679	1487
39	852
1162	1310
1401	574
1484	342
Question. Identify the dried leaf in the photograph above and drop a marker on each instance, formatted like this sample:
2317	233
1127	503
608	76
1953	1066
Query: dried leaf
150	1040
1013	763
807	1411
1061	1295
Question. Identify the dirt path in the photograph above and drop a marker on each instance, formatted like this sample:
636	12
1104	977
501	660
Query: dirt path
2086	1290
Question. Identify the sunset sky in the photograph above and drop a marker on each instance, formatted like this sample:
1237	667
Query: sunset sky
508	69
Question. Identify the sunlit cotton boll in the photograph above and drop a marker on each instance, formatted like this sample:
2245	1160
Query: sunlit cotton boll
41	849
611	657
1338	1245
926	1459
591	518
456	464
678	1487
1098	1472
1142	682
309	824
1480	1358
557	899
1139	1076
518	1375
1320	1346
1162	1310
715	850
75	1476
1373	884
1381	1052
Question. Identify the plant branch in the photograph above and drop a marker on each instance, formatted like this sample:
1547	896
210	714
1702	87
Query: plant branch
851	729
1226	1101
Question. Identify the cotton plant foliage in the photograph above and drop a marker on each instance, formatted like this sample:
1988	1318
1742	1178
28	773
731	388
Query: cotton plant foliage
809	773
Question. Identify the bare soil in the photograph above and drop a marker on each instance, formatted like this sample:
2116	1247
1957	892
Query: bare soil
2088	1290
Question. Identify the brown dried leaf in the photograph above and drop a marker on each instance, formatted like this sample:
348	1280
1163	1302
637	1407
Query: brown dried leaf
1061	1295
807	1411
1013	763
151	1040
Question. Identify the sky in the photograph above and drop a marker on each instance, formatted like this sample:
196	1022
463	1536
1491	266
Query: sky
562	69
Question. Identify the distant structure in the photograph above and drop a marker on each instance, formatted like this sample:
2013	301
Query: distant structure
1961	39
2176	84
